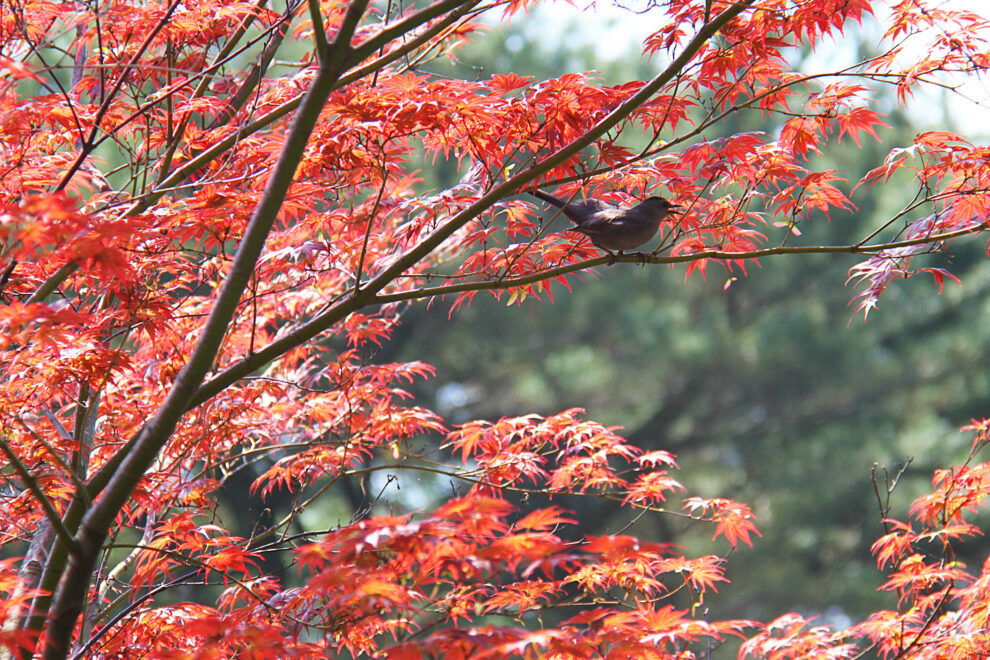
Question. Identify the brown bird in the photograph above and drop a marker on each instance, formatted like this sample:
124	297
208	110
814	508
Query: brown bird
611	227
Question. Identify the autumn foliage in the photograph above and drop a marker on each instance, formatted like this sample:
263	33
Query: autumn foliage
213	213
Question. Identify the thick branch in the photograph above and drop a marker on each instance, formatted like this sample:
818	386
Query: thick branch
99	480
153	436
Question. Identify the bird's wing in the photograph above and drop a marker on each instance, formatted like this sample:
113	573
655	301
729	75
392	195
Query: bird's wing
605	214
581	211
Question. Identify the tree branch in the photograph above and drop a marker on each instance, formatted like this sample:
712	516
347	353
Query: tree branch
153	435
719	255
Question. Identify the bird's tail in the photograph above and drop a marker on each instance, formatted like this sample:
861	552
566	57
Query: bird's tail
548	198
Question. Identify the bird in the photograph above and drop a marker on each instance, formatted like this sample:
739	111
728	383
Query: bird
610	227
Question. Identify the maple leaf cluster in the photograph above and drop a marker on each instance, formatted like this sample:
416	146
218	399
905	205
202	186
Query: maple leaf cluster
212	218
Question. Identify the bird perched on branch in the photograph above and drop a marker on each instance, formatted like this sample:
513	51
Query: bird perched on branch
610	227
